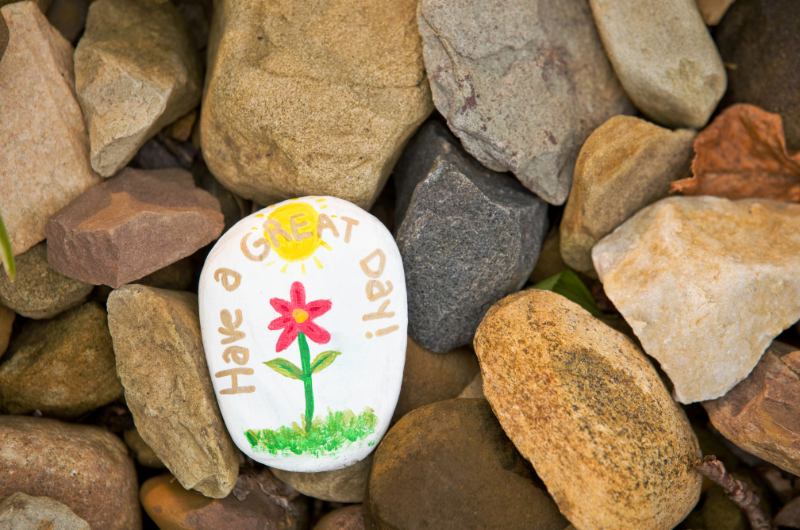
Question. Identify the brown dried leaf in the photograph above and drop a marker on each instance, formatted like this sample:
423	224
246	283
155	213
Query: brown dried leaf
743	154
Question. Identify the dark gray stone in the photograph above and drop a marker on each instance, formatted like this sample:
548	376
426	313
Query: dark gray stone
469	237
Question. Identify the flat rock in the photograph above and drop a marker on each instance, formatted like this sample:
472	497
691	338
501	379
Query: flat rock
760	413
713	10
23	512
664	57
678	271
162	366
348	484
62	367
145	456
455	274
347	518
626	164
311	98
444	457
132	225
7	318
44	148
39	291
522	84
85	468
586	407
132	83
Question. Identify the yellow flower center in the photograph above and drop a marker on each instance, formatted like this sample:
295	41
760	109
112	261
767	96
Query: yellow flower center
300	316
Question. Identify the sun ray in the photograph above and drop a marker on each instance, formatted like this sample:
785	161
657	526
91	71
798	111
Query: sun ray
270	263
284	268
260	215
323	206
303	268
321	200
319	265
324	244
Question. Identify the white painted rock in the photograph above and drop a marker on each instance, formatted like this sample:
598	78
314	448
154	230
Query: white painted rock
303	314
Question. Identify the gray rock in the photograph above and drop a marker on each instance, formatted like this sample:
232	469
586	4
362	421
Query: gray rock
469	237
23	512
522	83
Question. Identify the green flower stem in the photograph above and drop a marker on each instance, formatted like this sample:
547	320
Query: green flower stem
305	363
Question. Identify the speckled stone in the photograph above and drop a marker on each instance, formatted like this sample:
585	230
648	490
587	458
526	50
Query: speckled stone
23	512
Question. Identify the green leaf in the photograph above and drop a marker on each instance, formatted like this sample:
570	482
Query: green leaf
323	360
567	284
285	368
251	437
6	254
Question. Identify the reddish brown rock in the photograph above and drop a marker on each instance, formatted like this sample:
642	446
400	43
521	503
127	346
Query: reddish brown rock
132	225
7	317
347	518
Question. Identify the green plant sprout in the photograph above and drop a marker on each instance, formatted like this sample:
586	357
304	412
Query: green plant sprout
6	253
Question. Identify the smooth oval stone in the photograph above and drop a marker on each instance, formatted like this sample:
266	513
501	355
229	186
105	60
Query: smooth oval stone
303	314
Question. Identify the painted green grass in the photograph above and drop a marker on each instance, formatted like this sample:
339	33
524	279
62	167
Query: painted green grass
327	435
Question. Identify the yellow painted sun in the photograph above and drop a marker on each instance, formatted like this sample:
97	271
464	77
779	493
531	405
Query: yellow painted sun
292	232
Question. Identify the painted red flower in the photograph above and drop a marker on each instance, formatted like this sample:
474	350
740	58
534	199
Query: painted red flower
298	316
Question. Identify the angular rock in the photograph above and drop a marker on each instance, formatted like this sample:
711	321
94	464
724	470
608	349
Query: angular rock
626	164
587	408
83	467
132	225
664	57
39	291
760	414
713	10
678	271
161	364
7	317
348	484
474	389
62	367
23	512
522	84
145	456
442	458
132	83
347	518
311	99
43	5
789	514
469	237
44	148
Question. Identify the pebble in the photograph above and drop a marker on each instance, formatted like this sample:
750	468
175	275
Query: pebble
626	164
62	367
695	258
713	10
44	148
665	58
145	456
347	518
312	98
132	83
348	484
162	366
132	225
522	84
586	407
450	466
7	317
85	468
23	512
455	274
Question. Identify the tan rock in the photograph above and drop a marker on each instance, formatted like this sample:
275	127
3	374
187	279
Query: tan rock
7	317
760	414
23	512
145	456
132	83
587	408
162	365
626	164
175	276
679	270
83	467
348	484
347	518
44	149
713	10
550	261
474	389
320	101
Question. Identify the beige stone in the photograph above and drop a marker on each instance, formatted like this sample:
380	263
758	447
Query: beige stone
713	10
311	98
706	284
7	317
23	512
348	484
626	164
145	456
162	365
589	411
44	148
43	5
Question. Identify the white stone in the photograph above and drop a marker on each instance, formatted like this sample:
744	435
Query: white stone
352	276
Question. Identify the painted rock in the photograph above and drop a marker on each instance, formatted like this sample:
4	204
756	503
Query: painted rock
304	317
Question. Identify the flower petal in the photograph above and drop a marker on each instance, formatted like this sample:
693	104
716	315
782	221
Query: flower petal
286	338
281	322
318	308
298	294
281	306
315	332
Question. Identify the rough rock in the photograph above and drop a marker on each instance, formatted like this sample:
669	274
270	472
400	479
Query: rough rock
132	225
44	148
626	164
586	407
522	84
39	291
175	276
162	365
454	274
443	457
43	5
83	467
664	57
132	83
69	17
145	456
7	317
311	98
347	518
348	484
23	512
677	272
474	389
760	38
258	502
760	413
713	10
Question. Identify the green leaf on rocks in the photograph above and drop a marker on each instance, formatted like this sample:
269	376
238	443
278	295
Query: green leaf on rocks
323	360
567	284
285	368
6	253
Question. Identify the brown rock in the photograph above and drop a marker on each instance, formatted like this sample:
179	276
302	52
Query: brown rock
44	149
348	484
473	390
162	365
85	468
347	518
175	276
713	10
550	261
789	514
760	414
131	225
23	512
145	456
587	408
7	317
3	35
69	17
